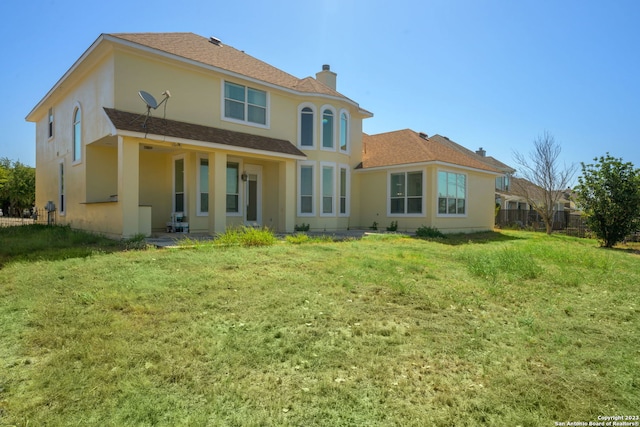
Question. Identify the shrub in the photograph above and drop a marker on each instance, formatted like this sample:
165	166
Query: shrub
393	226
246	236
297	238
302	227
429	233
374	226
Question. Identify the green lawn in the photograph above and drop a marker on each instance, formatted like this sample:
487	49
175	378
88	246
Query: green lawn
499	329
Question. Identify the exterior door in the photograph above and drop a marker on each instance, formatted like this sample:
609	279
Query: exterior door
253	195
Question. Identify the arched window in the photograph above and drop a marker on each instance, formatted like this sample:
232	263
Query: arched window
306	127
327	129
77	134
344	131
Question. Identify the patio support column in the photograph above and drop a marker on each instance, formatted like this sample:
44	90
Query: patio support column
128	185
217	192
287	196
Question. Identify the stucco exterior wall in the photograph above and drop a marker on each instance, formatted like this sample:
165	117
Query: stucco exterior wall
93	89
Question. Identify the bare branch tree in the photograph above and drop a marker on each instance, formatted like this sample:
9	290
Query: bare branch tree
541	168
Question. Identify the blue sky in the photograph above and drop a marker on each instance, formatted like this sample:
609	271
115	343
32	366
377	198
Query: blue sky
491	74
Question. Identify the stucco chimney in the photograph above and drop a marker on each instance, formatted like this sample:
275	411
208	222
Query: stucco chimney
481	152
327	76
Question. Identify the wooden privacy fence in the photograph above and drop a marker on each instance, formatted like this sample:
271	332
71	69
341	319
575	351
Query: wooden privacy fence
565	221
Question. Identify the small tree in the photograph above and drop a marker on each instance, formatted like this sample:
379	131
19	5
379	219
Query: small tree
549	180
609	195
17	185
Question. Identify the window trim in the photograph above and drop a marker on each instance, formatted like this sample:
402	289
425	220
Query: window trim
313	126
347	212
301	164
62	197
348	133
466	195
332	166
199	192
184	184
406	171
246	121
333	128
50	123
240	212
76	155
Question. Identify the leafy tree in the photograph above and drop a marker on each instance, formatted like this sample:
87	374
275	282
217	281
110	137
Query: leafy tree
17	185
549	179
609	195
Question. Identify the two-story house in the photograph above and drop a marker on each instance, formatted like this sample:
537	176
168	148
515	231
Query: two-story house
148	128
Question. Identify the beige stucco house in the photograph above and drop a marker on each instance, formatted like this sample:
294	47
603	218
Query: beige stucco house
148	128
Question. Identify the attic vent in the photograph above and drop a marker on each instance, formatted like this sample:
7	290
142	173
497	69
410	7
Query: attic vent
423	135
215	41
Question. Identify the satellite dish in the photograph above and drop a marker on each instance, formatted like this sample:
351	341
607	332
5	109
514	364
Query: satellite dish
148	99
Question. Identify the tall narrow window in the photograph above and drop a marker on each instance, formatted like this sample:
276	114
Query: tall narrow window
50	123
306	184
77	135
405	191
178	185
344	132
328	190
62	200
344	190
233	188
306	127
327	129
245	104
203	185
452	190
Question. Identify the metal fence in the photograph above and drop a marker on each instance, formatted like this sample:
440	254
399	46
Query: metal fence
27	216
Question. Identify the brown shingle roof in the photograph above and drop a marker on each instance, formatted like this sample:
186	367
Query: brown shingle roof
200	49
407	147
123	120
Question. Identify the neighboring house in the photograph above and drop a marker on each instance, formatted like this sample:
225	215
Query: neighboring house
145	129
427	181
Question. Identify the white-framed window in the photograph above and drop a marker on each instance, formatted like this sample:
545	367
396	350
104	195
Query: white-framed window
306	186
344	193
452	193
307	126
62	202
77	134
344	131
233	189
406	193
328	188
245	104
50	123
179	203
328	128
203	185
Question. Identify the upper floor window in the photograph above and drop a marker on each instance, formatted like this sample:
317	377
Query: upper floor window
328	129
307	131
50	128
502	183
344	131
245	104
452	191
405	193
77	134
